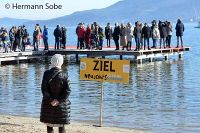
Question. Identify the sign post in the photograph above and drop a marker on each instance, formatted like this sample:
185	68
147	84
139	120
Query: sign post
101	106
104	70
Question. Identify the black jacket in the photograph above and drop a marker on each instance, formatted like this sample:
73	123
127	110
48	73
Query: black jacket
58	89
11	35
179	29
137	32
108	32
146	32
163	31
116	33
57	33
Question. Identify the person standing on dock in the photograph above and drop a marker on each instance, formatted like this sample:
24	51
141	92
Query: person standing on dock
156	35
169	34
63	37
35	38
163	34
57	34
96	32
45	35
129	34
19	35
4	39
123	39
25	39
92	37
55	107
101	36
39	35
78	42
116	35
153	23
88	36
179	32
81	35
146	33
12	38
137	33
108	34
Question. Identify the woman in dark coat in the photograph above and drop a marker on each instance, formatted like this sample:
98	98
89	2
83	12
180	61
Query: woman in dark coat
55	107
116	35
179	32
108	34
63	37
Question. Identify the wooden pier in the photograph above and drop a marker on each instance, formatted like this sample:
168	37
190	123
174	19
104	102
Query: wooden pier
138	56
18	56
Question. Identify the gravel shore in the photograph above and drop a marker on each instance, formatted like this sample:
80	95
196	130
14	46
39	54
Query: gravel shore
16	124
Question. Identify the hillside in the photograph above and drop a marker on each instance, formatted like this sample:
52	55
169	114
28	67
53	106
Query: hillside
7	22
132	10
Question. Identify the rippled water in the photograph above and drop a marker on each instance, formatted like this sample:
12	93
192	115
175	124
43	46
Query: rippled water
163	96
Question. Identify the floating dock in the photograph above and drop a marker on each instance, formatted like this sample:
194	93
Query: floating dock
138	56
19	56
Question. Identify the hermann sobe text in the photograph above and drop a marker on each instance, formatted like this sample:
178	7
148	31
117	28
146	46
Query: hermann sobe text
32	7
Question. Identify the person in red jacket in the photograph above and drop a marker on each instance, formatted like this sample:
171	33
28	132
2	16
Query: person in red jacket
81	35
87	37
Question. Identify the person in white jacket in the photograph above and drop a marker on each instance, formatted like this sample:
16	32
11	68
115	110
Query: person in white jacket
156	34
129	34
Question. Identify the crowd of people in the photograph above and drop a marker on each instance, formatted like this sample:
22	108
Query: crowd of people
92	36
17	38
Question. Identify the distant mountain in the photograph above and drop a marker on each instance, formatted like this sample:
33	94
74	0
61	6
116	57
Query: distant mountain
12	21
131	10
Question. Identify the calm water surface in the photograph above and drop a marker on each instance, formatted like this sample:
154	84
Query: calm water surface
163	96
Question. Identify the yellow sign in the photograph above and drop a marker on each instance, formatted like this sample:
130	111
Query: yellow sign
104	70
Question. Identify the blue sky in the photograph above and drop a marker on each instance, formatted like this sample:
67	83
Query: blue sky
68	7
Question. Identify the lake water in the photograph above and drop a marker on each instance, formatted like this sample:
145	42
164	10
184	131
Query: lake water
163	96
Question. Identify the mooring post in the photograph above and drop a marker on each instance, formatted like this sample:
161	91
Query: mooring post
166	57
121	57
180	55
76	58
139	61
150	59
46	59
29	60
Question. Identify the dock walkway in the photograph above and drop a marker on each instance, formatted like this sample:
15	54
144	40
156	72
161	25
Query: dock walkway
139	56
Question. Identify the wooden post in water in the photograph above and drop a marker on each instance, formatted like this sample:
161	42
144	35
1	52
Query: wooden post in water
76	58
150	59
121	57
140	61
166	57
180	55
17	62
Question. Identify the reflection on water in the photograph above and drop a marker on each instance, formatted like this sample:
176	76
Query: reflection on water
159	97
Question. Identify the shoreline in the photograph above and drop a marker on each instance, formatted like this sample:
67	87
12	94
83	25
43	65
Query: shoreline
17	124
